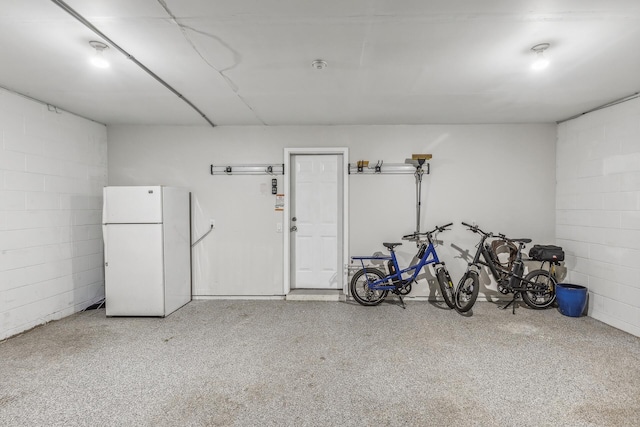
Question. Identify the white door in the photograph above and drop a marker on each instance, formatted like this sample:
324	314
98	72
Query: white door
134	281
316	221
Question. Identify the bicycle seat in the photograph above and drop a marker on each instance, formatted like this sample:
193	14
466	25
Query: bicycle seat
390	246
521	240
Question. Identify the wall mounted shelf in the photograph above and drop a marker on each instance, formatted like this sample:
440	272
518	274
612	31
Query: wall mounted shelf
367	168
277	169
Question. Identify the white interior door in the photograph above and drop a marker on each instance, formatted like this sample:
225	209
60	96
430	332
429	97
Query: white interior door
316	221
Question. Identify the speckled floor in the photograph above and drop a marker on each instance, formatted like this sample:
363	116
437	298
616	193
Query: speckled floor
290	363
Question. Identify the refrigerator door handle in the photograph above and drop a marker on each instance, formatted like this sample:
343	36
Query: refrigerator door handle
104	239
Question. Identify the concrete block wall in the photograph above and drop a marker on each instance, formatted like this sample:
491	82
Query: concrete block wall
53	166
598	210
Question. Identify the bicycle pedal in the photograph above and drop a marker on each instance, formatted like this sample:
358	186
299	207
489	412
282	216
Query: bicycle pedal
503	290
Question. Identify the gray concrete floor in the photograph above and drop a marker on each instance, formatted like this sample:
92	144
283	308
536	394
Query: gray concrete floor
290	363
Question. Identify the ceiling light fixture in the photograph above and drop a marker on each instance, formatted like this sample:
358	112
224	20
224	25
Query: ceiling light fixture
98	60
319	64
541	62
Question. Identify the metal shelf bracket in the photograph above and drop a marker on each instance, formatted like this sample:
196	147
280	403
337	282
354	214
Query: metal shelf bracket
277	169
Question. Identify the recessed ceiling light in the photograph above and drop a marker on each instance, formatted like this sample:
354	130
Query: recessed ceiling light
98	60
540	62
319	64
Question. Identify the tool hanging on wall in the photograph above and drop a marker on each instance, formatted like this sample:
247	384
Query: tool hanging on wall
418	160
417	165
364	167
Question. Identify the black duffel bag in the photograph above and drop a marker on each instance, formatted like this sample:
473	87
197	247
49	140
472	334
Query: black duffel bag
546	253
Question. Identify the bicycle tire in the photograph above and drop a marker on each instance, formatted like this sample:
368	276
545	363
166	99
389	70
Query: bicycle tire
467	291
546	295
359	287
446	287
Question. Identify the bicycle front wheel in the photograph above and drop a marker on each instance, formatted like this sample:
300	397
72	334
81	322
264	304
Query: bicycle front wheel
467	291
540	289
446	287
360	290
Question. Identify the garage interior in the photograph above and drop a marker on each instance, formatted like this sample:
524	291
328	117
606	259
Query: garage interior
552	154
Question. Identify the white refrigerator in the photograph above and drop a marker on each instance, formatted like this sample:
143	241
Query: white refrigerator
147	250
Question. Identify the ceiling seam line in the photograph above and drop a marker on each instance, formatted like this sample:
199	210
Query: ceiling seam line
49	105
183	30
602	107
90	26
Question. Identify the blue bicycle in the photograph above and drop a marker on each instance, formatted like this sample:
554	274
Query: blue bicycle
370	286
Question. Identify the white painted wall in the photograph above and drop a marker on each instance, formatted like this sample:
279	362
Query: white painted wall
598	210
52	170
501	176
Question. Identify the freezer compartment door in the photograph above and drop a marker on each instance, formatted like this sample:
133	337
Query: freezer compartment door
132	205
134	277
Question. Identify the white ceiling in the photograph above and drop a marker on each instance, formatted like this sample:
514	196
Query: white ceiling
248	62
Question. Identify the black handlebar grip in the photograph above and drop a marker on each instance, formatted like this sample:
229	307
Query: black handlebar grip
447	225
467	225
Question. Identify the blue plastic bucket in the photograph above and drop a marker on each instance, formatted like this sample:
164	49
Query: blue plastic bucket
572	299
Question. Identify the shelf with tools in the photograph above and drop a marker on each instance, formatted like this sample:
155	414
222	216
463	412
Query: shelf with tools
416	164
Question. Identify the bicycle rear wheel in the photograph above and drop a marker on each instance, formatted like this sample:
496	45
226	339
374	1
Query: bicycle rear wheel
467	291
446	287
360	290
542	292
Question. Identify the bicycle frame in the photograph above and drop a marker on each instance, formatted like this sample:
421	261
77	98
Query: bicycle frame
502	276
499	273
429	257
535	287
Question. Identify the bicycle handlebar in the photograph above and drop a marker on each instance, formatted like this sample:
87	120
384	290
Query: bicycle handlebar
414	236
477	229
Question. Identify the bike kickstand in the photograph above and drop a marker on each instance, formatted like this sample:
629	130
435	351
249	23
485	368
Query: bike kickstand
513	301
402	302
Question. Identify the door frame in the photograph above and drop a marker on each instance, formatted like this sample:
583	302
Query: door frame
288	153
